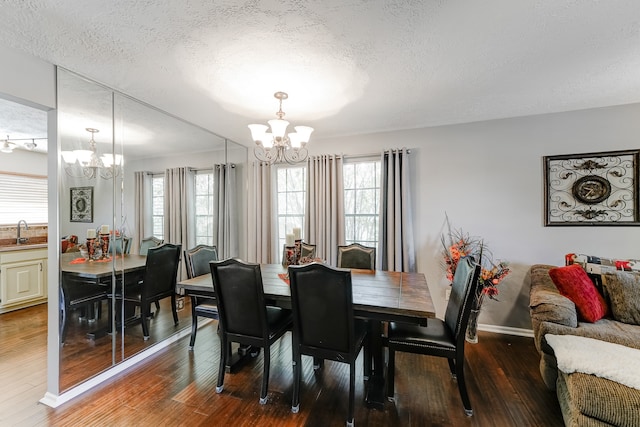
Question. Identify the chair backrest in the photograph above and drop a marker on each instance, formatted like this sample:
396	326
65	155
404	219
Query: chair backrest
149	242
307	250
240	298
161	270
356	255
463	292
197	260
120	245
322	305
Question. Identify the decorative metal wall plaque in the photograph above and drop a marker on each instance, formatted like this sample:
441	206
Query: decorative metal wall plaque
592	188
81	204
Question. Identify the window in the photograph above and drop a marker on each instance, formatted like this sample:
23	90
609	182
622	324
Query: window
23	197
157	203
362	202
204	207
291	191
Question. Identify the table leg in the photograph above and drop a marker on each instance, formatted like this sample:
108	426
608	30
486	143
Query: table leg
375	388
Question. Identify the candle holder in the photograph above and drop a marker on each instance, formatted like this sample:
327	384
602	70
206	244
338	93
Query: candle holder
289	256
104	241
91	249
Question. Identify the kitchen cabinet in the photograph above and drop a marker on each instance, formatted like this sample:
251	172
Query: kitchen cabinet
23	278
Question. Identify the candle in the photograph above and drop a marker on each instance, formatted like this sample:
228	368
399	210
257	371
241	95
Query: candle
290	240
296	233
104	229
91	233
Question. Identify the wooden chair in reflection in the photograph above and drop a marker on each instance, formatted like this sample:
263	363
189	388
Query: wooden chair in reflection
197	263
441	338
323	323
244	316
120	245
159	282
356	255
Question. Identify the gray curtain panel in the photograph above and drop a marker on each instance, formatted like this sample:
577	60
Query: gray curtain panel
225	210
261	234
142	183
324	213
397	250
178	188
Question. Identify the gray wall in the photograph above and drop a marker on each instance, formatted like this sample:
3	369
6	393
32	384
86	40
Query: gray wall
488	177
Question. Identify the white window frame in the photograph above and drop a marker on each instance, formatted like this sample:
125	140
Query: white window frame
157	205
286	220
203	236
355	215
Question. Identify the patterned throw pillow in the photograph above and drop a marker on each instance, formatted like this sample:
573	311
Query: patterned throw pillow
623	289
573	283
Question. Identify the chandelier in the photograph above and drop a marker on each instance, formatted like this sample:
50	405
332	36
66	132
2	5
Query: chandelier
277	146
86	163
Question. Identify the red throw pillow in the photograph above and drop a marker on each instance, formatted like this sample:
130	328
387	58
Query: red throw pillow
572	282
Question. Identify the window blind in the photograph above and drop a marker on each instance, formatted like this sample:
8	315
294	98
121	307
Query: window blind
23	197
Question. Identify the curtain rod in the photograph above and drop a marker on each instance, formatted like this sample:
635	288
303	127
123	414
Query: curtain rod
357	156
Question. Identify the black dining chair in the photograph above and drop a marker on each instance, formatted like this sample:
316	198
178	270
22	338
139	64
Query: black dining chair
356	255
79	293
244	316
323	323
197	263
159	282
441	338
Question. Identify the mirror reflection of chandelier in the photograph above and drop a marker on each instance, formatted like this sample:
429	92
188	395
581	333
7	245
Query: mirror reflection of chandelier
87	164
277	146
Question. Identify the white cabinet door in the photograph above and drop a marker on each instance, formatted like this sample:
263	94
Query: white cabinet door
22	282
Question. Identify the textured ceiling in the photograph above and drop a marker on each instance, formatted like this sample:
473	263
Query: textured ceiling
349	66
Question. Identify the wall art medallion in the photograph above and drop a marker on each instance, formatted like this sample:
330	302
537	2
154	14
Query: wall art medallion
592	188
81	204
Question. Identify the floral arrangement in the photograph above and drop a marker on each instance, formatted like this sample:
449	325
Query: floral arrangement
458	244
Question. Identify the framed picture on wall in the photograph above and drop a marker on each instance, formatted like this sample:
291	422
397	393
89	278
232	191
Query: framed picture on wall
81	204
592	189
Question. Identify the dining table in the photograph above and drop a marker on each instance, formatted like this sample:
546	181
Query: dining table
129	268
378	296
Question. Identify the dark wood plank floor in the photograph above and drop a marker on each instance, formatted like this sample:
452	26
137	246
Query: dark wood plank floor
177	387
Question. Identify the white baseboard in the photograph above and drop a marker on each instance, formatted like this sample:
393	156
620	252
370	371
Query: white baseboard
52	400
506	330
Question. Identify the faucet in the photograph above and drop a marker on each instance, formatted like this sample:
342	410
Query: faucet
26	227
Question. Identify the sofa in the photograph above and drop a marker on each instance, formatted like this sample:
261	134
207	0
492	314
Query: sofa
587	399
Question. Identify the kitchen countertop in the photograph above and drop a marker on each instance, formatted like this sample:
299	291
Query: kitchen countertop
22	247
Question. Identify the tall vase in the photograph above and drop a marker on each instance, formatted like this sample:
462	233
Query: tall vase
472	327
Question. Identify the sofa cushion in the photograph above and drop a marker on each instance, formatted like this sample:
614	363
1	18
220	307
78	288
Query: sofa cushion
572	281
623	290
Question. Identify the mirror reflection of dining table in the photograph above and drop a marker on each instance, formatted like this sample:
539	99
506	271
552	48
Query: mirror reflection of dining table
378	296
100	272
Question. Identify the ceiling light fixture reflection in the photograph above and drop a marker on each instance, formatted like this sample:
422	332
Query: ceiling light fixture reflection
9	144
87	164
277	146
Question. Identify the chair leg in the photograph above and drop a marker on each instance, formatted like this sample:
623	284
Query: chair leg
265	375
452	368
194	324
391	372
145	308
297	366
157	305
352	392
462	387
367	362
63	324
224	351
174	309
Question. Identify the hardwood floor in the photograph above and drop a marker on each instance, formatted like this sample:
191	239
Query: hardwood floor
177	387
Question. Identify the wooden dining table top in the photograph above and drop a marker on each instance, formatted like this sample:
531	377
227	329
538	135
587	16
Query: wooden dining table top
384	295
70	264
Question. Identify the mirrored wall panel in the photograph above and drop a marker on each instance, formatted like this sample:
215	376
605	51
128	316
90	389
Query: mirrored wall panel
134	178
